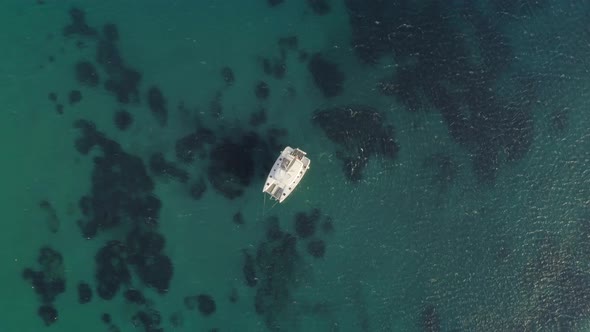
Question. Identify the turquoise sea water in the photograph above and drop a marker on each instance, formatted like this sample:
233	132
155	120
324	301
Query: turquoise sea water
448	191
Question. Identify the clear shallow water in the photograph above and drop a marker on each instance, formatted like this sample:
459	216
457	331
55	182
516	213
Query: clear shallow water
471	214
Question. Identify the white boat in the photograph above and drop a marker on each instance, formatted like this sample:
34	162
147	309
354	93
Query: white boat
286	173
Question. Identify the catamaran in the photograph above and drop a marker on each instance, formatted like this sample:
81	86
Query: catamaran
286	173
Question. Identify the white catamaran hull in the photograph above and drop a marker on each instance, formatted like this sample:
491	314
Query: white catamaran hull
286	173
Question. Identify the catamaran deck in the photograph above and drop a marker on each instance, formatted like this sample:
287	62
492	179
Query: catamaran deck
286	173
